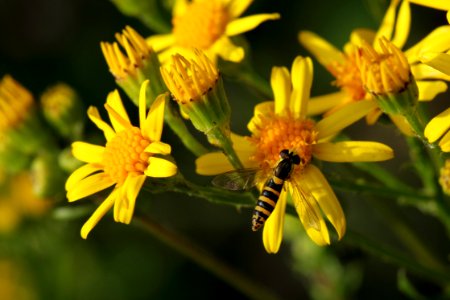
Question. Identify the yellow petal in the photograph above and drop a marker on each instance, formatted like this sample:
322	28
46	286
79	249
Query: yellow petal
128	194
88	186
387	25
261	110
98	214
119	118
439	61
403	25
372	116
242	143
308	212
323	51
179	7
79	174
280	81
343	118
237	7
160	168
143	103
402	124
216	163
444	143
320	104
438	126
428	90
273	228
436	4
87	152
323	193
425	72
158	148
361	35
352	151
153	125
95	117
228	51
437	41
302	74
245	24
160	41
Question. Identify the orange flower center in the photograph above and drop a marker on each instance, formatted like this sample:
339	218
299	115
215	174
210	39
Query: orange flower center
348	77
278	133
201	24
125	155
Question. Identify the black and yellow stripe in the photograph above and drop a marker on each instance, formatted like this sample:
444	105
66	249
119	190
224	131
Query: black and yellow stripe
266	201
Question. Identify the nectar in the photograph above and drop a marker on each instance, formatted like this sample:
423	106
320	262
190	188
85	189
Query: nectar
279	133
125	155
201	24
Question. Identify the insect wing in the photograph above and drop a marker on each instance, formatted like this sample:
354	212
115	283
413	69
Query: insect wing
237	180
302	200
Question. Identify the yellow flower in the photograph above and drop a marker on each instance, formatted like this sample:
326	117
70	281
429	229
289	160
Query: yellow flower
437	4
343	66
444	178
126	160
438	128
207	25
282	124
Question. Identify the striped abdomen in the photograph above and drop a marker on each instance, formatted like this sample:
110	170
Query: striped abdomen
266	201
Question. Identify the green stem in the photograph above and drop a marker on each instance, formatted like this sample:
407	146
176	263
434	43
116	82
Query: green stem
422	165
205	259
173	119
396	257
252	79
223	139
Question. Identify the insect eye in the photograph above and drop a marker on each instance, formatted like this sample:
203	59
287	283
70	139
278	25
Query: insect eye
284	153
296	159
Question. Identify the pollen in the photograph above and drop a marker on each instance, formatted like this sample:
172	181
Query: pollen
124	155
188	80
136	53
384	70
201	24
15	103
348	77
277	133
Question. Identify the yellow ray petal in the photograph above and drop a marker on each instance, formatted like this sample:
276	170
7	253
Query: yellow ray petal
119	118
302	75
158	148
402	124
425	72
179	7
128	194
322	191
343	118
95	117
79	174
160	168
438	126
437	41
280	81
88	186
387	25
352	151
444	143
153	125
245	24
237	7
372	116
439	61
160	41
323	51
216	163
261	110
403	25
436	4
362	34
320	104
428	90
242	143
318	231
143	103
87	152
98	214
225	48
273	228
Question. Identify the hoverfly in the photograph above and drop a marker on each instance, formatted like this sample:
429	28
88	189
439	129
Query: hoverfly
244	179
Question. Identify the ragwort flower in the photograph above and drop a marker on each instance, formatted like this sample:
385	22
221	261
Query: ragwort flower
207	25
125	161
282	124
343	64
